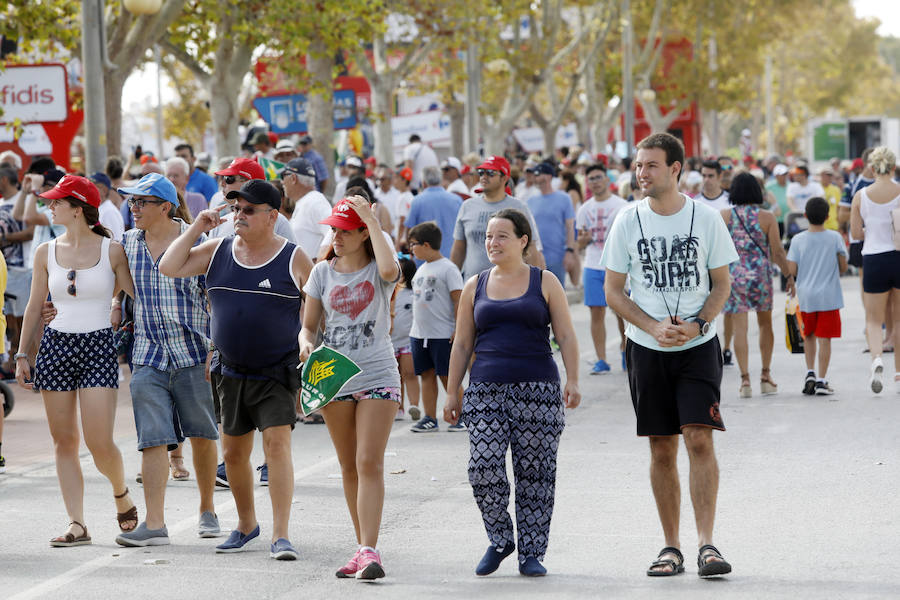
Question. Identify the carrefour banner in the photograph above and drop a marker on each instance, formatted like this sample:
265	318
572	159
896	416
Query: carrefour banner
324	373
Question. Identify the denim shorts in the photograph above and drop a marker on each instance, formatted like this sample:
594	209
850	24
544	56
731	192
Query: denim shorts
170	406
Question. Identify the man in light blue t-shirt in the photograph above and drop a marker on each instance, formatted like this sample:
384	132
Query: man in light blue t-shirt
674	252
555	218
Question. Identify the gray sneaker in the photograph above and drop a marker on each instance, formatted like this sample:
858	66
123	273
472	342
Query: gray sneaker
141	536
209	525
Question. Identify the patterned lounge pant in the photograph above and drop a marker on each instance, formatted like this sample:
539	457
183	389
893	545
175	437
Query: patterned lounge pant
529	418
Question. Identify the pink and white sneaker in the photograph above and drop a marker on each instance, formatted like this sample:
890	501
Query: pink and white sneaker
369	564
349	570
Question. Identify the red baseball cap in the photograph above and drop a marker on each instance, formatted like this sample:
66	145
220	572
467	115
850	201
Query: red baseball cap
245	167
406	173
73	186
496	163
343	216
858	164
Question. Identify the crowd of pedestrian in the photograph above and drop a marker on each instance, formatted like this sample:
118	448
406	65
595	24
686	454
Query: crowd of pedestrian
428	270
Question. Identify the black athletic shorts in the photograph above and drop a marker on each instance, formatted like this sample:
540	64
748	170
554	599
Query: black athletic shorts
248	404
672	389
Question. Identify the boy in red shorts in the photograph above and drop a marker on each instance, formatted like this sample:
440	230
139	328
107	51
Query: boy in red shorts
817	258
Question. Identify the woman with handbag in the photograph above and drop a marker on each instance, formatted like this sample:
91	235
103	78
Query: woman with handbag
754	231
874	216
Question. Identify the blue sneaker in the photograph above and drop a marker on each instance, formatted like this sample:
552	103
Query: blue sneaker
283	550
624	364
221	476
236	541
425	425
531	567
600	367
492	558
263	474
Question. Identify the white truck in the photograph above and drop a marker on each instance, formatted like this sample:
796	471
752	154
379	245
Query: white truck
846	138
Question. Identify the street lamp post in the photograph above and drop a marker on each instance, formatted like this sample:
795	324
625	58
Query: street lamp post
94	91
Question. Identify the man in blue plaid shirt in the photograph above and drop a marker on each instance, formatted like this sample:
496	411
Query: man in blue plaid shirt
171	397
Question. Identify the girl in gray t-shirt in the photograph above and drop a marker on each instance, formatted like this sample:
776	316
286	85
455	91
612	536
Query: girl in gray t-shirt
352	289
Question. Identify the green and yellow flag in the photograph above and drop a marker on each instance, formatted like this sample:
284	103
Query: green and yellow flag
324	373
272	168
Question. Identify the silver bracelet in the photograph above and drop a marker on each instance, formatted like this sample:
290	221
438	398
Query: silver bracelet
19	355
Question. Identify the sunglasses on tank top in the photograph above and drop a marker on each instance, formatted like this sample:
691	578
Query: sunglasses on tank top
71	277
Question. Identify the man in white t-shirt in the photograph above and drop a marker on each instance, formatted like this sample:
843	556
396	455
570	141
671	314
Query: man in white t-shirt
801	189
675	253
711	193
310	206
593	221
451	179
355	168
110	215
527	186
402	179
417	156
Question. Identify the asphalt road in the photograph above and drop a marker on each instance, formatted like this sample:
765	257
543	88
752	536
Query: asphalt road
808	504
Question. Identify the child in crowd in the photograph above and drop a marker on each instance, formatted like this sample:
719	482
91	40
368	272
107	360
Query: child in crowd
403	318
817	258
436	289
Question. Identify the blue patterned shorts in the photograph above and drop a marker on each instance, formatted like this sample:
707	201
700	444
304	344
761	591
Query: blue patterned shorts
382	393
74	361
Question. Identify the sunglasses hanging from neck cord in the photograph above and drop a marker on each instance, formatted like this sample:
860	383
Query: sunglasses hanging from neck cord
653	266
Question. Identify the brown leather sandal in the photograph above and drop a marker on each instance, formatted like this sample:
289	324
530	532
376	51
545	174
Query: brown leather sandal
766	384
176	465
69	539
129	515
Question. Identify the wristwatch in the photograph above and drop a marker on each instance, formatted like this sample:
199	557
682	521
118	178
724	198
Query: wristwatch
704	326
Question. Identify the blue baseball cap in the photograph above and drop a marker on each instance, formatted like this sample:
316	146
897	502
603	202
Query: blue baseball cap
153	184
100	177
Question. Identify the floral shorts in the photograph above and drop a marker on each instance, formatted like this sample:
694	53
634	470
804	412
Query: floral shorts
382	393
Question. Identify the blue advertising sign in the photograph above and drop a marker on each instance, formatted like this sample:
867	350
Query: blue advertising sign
287	114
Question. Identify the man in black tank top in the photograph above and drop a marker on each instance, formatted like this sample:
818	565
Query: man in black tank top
253	280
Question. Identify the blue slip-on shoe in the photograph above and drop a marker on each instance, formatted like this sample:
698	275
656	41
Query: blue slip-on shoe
263	474
600	367
460	426
492	558
283	550
236	541
141	536
221	476
531	567
208	527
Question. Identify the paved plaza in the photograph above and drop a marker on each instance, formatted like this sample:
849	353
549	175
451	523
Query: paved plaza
808	504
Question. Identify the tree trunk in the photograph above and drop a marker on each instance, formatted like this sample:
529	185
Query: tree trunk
457	112
225	115
320	119
113	84
382	95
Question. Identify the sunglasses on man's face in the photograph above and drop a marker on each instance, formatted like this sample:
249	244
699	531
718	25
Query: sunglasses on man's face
71	277
230	179
248	210
487	172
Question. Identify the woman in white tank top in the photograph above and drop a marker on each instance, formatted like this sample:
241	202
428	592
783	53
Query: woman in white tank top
76	364
871	221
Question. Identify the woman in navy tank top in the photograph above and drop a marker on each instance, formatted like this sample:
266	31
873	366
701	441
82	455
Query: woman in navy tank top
514	398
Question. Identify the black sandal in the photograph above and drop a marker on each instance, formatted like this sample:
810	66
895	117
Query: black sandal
677	567
711	568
